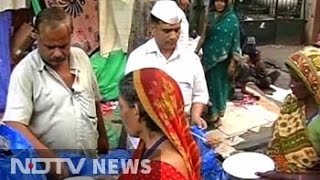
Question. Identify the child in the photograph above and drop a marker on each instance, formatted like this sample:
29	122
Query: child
255	71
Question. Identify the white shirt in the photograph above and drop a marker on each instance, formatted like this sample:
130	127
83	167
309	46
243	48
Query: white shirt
60	117
183	66
184	32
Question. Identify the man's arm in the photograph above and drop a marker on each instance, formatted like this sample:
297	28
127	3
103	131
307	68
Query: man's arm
200	95
30	136
41	150
19	106
103	144
273	175
196	112
19	109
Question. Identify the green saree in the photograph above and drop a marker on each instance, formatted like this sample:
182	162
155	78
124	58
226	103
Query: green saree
221	42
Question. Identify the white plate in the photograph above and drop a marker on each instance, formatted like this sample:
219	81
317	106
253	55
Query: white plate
245	165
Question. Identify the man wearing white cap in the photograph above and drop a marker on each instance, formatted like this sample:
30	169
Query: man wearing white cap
162	52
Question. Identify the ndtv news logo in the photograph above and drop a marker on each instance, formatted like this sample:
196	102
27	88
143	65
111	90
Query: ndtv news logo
102	166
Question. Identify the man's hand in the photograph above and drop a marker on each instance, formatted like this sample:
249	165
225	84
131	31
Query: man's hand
196	112
200	122
275	175
41	150
58	173
103	143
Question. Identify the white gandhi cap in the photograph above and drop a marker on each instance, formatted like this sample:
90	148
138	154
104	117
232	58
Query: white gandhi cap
167	11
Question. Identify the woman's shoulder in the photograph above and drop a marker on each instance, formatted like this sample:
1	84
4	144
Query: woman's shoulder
161	170
232	17
172	158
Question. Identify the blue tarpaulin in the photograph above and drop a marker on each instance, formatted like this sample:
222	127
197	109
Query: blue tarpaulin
13	145
210	166
5	24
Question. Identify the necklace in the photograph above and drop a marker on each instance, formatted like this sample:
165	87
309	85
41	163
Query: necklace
153	147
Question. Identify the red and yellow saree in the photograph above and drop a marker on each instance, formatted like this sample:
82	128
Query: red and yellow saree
161	97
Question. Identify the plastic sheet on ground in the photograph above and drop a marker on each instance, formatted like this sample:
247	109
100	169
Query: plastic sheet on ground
210	166
14	145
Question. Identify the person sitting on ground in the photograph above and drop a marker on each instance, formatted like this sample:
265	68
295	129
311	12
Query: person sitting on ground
152	109
255	71
295	143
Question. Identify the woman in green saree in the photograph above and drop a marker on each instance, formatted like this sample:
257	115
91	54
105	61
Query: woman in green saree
221	43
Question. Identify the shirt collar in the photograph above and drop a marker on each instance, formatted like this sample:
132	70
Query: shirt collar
153	48
41	65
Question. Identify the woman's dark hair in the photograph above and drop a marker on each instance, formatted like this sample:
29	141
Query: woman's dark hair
211	5
129	94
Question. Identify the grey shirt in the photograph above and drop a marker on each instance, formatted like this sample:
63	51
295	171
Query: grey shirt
62	118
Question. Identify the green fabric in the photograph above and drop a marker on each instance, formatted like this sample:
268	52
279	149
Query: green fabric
113	129
113	135
219	88
109	72
314	133
222	39
36	6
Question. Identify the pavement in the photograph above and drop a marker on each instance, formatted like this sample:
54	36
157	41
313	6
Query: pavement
277	55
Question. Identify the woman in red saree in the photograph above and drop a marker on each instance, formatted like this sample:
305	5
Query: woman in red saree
152	109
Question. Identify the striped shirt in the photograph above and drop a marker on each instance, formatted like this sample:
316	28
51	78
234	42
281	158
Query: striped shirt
60	117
